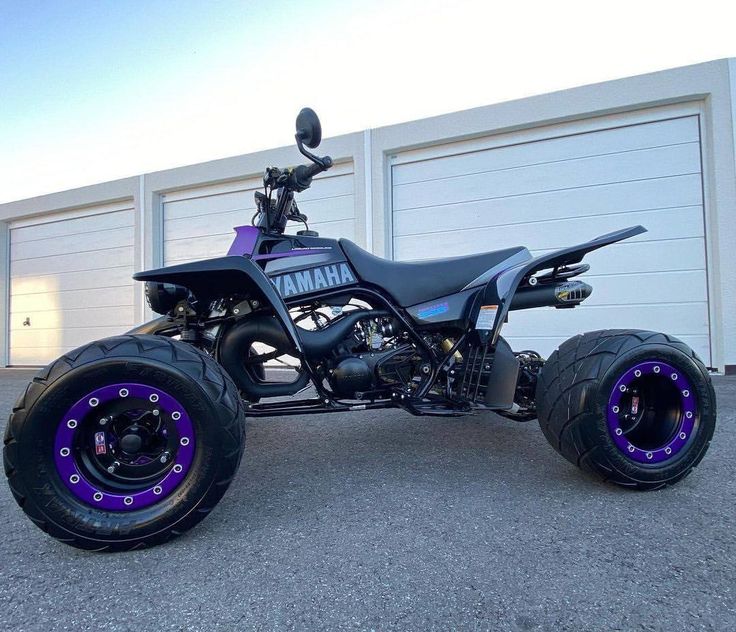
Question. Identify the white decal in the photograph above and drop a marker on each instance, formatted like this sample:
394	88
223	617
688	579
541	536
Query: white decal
345	275
333	278
319	279
304	281
289	287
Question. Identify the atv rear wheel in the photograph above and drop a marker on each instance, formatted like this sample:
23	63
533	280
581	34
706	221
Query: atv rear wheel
125	442
636	408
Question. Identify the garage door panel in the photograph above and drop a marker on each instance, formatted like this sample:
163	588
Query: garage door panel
546	345
67	227
67	281
72	262
329	209
207	225
635	165
608	141
200	248
207	205
662	225
622	197
198	223
70	281
68	336
326	210
90	317
681	318
74	299
645	288
335	230
627	258
561	190
90	241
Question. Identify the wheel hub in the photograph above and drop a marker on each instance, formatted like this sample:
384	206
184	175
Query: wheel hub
124	446
652	411
131	443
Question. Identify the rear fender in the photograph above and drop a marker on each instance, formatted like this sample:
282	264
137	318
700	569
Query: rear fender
500	290
217	278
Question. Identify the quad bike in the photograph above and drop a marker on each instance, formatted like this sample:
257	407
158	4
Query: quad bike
132	440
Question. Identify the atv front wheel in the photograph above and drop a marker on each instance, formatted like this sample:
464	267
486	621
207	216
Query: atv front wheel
636	408
125	442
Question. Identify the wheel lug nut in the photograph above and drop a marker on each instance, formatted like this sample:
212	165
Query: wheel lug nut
104	420
164	457
156	412
113	467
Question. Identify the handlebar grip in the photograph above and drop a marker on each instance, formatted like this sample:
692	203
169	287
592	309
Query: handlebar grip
303	174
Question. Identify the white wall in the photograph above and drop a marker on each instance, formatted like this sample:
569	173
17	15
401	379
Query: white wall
711	86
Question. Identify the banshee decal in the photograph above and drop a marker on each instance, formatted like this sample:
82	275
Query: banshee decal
313	279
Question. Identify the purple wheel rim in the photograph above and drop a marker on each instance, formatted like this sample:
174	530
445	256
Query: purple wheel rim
619	406
83	486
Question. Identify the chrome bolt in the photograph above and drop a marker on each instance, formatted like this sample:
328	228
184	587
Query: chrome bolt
113	467
104	420
156	412
164	457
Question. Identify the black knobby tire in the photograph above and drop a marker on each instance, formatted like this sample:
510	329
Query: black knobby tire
573	399
202	387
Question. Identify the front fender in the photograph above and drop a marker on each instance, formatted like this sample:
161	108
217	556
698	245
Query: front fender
153	327
217	278
500	290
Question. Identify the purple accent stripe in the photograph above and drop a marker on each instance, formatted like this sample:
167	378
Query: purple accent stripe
82	488
688	406
245	241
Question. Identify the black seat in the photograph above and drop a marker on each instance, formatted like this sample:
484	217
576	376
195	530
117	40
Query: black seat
415	282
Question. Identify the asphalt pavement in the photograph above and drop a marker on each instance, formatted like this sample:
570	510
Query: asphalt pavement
378	520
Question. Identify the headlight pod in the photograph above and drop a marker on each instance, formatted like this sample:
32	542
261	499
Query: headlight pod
163	297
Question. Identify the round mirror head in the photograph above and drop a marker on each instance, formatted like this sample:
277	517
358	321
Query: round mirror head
308	128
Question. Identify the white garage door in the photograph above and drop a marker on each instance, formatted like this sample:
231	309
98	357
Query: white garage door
198	223
560	190
70	281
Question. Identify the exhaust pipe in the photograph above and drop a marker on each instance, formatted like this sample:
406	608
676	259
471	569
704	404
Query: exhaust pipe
559	295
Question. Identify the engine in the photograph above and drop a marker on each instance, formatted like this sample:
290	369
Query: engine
373	360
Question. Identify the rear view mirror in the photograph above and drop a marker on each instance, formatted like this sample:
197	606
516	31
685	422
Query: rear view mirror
308	128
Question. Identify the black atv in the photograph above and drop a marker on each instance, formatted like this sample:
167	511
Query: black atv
132	440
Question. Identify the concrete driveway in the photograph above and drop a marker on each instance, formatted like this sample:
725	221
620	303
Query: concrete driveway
380	520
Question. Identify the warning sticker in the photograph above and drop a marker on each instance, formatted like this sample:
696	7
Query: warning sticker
100	447
486	317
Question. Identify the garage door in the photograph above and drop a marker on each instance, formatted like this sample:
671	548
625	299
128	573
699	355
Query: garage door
70	281
559	190
198	223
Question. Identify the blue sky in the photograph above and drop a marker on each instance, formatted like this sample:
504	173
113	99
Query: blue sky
96	90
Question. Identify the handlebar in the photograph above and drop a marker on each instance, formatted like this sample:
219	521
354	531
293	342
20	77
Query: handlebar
301	177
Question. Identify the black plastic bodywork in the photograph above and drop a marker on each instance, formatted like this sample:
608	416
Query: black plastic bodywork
217	278
501	289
